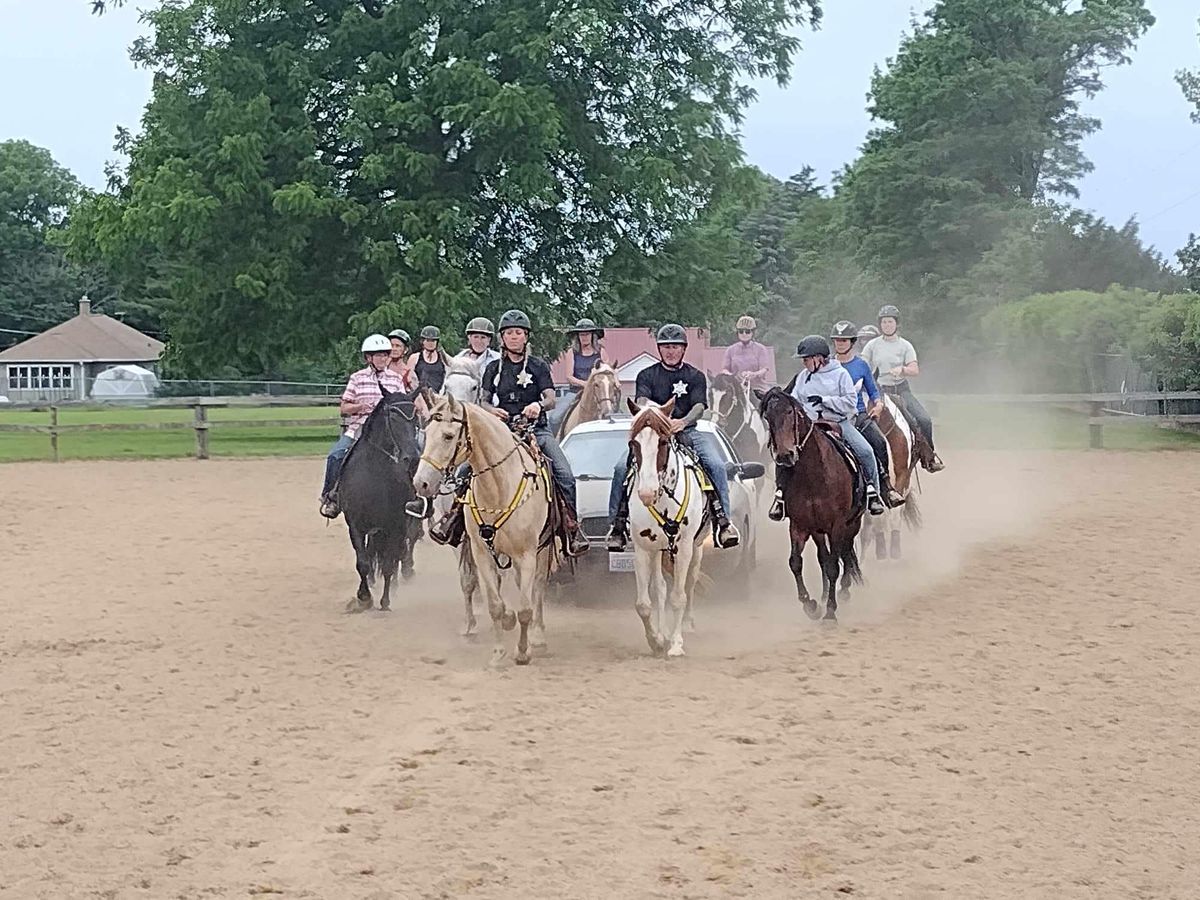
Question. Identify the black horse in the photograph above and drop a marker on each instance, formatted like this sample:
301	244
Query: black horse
376	482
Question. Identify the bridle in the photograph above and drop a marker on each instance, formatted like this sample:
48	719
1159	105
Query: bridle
797	440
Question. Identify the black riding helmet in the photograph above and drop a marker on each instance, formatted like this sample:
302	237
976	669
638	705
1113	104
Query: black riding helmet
813	345
431	333
671	334
514	318
844	330
583	326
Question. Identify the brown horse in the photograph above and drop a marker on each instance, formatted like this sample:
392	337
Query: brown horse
600	398
819	498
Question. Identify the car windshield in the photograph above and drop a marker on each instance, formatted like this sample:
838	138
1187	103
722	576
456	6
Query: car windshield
593	455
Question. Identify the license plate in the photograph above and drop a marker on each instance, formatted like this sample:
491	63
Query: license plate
620	562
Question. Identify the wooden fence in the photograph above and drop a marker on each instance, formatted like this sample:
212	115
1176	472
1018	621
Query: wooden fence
200	424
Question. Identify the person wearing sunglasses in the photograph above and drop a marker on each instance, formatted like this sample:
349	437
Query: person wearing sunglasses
748	359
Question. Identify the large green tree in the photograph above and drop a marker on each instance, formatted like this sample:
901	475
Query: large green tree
306	169
979	119
1189	80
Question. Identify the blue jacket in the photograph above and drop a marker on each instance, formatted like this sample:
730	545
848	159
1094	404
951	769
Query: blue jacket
860	371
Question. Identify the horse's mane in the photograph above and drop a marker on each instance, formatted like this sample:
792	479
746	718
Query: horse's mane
379	413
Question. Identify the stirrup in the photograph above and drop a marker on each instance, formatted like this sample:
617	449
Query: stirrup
330	508
777	510
419	508
935	464
731	535
617	538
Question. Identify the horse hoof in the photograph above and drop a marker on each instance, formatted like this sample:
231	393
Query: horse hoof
407	572
690	626
469	630
675	651
508	621
499	658
830	617
523	659
811	609
383	608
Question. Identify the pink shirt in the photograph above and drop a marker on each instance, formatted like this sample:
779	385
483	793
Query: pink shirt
363	387
748	357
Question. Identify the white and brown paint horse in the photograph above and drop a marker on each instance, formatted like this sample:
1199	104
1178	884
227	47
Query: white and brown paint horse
507	513
902	462
736	413
599	399
667	524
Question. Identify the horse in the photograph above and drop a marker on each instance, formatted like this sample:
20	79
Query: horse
599	399
670	519
508	512
375	483
903	457
463	379
736	413
819	499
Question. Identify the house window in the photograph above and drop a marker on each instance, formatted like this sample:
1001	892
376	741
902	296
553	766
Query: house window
40	378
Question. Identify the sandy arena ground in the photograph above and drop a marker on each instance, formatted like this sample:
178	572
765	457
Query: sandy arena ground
186	711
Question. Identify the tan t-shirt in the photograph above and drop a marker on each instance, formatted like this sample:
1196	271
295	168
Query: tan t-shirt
883	355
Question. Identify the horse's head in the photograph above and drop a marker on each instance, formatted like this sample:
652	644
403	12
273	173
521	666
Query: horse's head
723	396
462	379
447	444
392	426
787	424
605	387
650	439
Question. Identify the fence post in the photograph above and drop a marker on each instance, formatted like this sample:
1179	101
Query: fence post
54	433
201	427
1095	429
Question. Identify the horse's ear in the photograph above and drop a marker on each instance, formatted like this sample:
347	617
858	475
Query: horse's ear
633	407
384	393
426	395
667	407
759	395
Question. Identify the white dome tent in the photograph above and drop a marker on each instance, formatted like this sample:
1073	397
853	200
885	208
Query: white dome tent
124	383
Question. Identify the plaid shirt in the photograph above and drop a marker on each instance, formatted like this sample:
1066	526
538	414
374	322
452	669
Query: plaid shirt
363	387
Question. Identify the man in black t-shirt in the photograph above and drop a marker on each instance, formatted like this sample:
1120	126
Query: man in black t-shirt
672	377
518	385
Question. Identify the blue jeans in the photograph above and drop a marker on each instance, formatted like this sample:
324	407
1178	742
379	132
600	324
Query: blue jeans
560	468
333	462
862	449
706	451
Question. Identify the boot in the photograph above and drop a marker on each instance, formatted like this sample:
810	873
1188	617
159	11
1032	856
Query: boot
935	463
775	513
329	505
726	533
577	541
891	496
874	504
452	524
618	534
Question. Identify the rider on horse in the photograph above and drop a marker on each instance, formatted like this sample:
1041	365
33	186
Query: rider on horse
827	394
671	378
870	404
479	349
430	361
586	351
517	386
363	392
895	359
748	359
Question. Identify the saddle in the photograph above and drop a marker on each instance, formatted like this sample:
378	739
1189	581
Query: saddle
833	432
920	448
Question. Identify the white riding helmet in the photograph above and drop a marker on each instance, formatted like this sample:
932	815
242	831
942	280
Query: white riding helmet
376	343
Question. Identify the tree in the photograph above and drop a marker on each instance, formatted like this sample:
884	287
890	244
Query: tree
1189	81
1189	263
980	119
305	170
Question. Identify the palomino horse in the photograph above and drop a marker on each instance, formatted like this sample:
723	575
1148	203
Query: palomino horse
508	509
819	498
375	484
902	459
670	520
463	378
735	411
600	398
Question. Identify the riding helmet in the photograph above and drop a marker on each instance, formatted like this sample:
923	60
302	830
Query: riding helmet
515	318
747	323
376	343
583	326
401	334
671	334
481	325
431	333
813	345
887	311
844	330
868	333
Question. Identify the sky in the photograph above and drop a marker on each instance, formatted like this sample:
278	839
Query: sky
68	83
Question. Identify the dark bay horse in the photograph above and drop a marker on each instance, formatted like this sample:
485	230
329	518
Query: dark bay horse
376	482
819	498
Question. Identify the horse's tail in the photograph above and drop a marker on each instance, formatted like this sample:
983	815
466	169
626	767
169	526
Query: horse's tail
911	512
850	564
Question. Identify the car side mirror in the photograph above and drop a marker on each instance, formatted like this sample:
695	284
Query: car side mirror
753	470
733	469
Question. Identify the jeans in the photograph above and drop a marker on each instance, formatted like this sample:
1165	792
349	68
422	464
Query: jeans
869	429
555	416
706	451
862	450
333	462
916	411
560	468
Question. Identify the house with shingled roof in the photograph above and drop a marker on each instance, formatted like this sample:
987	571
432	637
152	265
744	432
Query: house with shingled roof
62	363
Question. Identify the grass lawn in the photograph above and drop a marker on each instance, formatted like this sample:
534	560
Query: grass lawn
959	425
